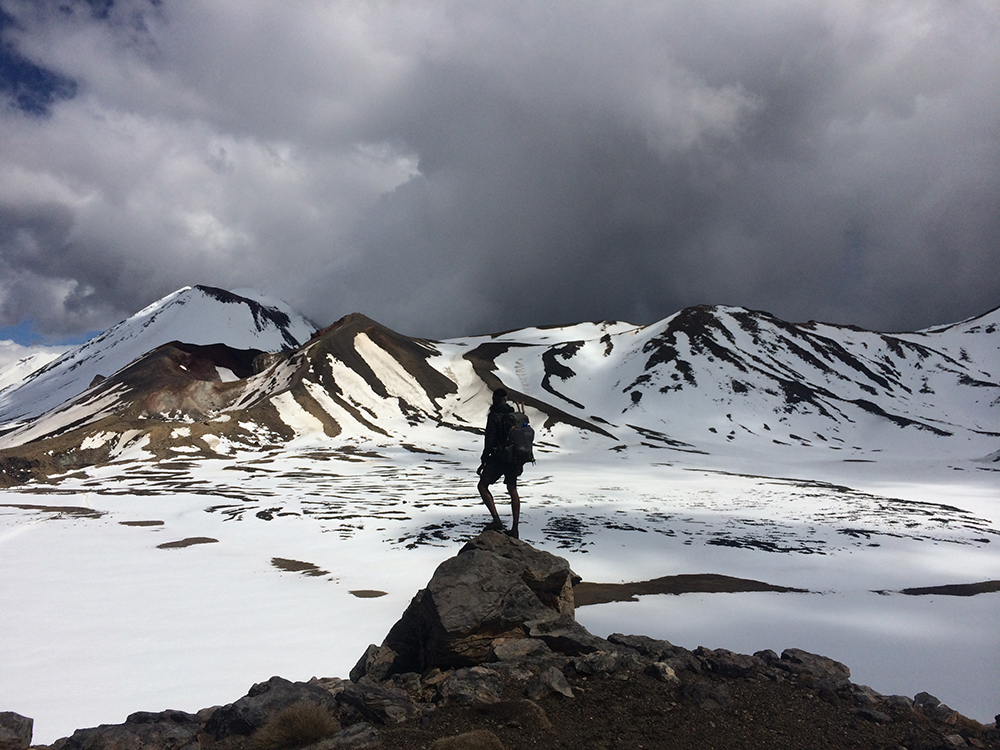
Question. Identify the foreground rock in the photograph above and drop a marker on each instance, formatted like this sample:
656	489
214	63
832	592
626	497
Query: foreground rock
15	731
494	589
175	730
489	655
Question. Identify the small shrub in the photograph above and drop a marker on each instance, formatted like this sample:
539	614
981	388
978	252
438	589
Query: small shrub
296	726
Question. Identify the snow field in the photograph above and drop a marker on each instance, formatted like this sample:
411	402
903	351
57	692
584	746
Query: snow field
97	622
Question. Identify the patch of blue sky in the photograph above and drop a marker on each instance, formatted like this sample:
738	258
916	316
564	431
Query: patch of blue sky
24	333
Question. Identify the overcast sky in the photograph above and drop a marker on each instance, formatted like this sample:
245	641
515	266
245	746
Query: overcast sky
451	168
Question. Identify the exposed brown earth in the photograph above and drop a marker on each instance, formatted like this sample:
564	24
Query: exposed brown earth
298	566
586	593
189	542
955	589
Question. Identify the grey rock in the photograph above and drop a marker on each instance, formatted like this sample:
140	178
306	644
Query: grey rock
954	740
864	696
644	645
654	650
598	662
898	701
631	661
262	702
943	713
15	731
727	663
488	591
360	736
409	682
934	709
166	730
663	672
382	704
514	672
376	663
821	669
925	700
332	685
521	650
769	657
869	714
565	635
467	686
550	681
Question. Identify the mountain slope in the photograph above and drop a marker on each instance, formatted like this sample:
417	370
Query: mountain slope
197	315
707	380
17	368
715	369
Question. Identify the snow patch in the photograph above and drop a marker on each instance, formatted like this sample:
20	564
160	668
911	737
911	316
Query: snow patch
96	441
396	379
293	415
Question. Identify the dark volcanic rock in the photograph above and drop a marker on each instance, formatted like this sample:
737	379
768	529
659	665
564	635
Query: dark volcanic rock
566	636
263	701
467	686
492	589
726	663
819	668
166	730
677	657
383	704
15	731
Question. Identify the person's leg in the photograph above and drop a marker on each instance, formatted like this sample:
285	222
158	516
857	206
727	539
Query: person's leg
485	480
515	509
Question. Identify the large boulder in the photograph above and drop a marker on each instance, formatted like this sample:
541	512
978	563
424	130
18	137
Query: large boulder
15	731
490	590
165	730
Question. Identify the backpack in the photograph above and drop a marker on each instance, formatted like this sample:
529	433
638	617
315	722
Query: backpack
520	438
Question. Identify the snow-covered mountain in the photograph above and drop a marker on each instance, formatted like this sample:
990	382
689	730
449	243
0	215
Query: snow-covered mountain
18	362
703	381
195	315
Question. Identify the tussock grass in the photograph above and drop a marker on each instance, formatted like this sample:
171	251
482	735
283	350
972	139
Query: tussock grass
296	726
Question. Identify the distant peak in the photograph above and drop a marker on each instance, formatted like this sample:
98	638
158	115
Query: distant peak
352	321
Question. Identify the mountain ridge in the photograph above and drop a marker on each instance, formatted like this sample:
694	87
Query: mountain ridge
200	314
703	380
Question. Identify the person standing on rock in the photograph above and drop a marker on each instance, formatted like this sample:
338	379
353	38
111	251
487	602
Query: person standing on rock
494	465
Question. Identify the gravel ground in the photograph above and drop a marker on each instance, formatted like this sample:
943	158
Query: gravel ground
642	712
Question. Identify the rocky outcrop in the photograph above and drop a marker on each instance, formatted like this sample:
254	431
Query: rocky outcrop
494	636
15	731
495	588
263	701
169	730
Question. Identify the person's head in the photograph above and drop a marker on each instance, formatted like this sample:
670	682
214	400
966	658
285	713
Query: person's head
499	396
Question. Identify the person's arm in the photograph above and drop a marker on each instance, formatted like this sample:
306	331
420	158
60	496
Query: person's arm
490	443
493	428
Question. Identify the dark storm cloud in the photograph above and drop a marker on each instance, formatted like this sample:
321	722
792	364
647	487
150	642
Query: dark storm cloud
452	168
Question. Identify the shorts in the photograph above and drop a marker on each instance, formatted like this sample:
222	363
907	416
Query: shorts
493	470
